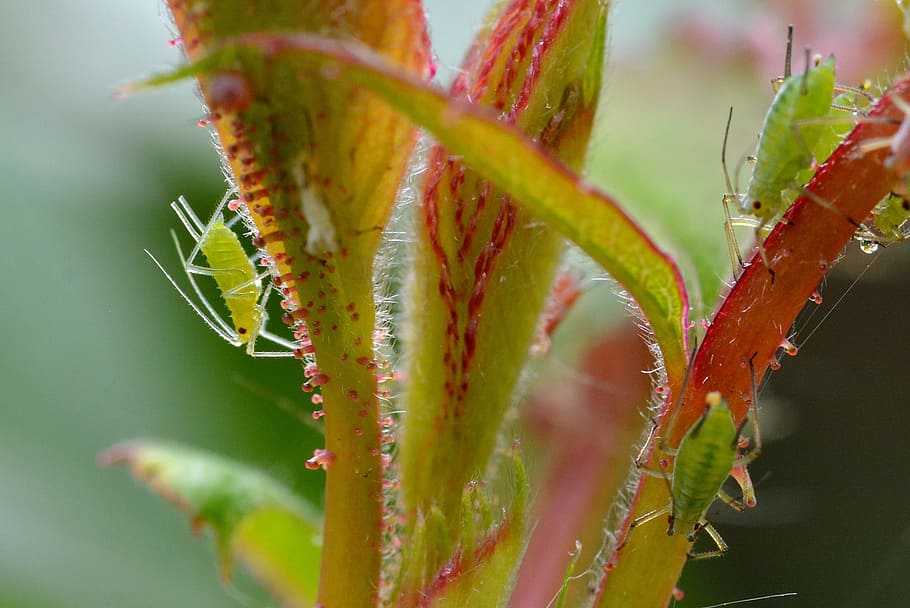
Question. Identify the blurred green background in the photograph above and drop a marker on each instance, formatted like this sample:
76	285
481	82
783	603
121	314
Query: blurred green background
100	349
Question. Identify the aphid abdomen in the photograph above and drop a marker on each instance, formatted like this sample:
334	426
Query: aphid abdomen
703	462
800	105
236	278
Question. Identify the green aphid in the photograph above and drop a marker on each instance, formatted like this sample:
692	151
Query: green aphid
888	223
792	129
235	275
708	454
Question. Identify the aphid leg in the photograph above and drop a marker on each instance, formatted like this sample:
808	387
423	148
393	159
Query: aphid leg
643	452
189	270
722	546
214	320
736	259
194	225
260	332
225	334
645	518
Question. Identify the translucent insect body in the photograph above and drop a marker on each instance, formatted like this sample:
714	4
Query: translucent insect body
708	454
791	130
235	275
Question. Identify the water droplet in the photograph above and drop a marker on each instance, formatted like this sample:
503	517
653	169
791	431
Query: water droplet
868	246
774	364
310	370
815	297
316	399
235	204
174	42
318	413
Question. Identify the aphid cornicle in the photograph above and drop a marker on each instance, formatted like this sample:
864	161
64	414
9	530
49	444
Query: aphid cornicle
707	454
235	275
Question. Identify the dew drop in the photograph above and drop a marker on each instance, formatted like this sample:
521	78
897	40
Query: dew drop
816	297
318	413
235	204
868	246
774	364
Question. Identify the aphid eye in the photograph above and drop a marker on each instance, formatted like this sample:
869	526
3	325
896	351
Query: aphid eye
756	205
905	205
241	330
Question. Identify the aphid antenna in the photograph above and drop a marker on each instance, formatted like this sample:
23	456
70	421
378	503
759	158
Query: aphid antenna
732	243
188	217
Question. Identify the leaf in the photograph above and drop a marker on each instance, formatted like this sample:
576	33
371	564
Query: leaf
481	571
252	516
483	266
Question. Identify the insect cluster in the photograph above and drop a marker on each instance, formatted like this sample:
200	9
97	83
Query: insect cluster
808	118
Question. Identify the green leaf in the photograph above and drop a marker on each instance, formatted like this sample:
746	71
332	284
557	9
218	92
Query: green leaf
481	570
482	266
252	516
